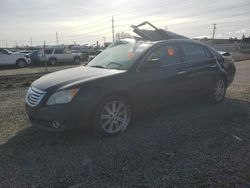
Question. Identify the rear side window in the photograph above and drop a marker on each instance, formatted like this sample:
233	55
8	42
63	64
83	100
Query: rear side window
167	54
193	52
58	52
48	51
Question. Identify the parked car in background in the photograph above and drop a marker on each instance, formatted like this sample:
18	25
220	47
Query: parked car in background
226	55
85	51
58	55
34	57
24	52
13	58
94	54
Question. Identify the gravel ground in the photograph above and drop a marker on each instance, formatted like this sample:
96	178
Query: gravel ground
193	144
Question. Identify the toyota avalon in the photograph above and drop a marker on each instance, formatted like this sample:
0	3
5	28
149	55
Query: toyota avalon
127	76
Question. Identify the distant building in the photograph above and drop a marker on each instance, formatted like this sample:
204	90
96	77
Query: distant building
245	45
228	45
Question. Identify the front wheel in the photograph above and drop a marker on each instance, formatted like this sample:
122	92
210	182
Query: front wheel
52	61
21	63
77	60
218	91
112	116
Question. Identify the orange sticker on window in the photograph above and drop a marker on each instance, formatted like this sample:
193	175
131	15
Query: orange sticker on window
170	52
130	55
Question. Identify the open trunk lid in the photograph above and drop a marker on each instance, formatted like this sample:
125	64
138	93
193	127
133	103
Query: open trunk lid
155	34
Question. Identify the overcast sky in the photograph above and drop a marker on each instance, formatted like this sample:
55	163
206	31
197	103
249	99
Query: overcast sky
88	21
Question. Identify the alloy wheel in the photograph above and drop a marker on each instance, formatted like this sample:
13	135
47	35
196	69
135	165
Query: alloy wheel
219	90
21	63
115	117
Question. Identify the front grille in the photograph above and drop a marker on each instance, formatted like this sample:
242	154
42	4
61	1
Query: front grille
34	96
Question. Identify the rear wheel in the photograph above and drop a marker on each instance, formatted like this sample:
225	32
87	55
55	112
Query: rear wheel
112	116
21	63
218	90
53	61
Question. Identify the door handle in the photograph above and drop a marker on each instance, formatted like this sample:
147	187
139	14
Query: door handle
213	66
182	72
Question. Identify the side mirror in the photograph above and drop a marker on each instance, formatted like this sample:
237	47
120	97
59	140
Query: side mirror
150	64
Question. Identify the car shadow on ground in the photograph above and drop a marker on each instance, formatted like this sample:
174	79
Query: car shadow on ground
181	137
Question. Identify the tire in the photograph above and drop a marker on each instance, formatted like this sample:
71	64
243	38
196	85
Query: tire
21	63
112	116
77	60
53	61
218	90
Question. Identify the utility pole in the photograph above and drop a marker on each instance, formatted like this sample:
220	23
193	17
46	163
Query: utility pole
6	44
56	39
103	42
113	29
30	42
214	31
45	61
97	45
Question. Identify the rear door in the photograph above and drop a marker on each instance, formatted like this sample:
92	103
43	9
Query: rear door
198	67
58	53
68	56
161	84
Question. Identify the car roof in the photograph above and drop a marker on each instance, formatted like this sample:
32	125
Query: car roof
172	41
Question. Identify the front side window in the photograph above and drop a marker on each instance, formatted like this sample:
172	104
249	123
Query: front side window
166	55
119	55
193	52
48	51
58	52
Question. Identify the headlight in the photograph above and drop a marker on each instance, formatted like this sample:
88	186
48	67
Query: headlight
62	97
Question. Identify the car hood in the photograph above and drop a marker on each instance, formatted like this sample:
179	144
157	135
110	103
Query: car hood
69	77
18	54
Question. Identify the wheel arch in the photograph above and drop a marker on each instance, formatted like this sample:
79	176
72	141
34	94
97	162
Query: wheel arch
113	94
21	59
224	76
52	58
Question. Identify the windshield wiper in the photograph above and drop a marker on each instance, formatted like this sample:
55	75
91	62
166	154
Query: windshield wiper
98	66
114	63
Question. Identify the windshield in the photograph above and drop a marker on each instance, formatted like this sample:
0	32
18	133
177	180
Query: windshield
119	55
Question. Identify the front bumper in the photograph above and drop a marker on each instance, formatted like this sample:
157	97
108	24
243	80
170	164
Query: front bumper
57	117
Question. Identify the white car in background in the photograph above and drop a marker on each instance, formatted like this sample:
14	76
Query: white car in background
10	58
58	55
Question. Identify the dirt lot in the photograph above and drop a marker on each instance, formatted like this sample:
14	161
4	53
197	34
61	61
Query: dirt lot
194	144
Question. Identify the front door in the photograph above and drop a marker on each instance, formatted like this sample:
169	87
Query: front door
159	84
